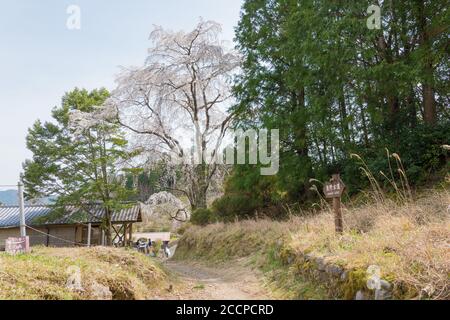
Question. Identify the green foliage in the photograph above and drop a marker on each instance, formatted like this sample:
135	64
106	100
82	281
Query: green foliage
246	191
421	152
234	205
203	217
77	166
148	182
333	87
156	247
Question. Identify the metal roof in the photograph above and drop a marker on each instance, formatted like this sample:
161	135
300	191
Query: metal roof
39	215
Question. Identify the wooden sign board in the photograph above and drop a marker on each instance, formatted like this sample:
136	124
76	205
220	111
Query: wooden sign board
334	188
17	245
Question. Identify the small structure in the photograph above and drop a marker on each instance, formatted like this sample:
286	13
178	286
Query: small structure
74	227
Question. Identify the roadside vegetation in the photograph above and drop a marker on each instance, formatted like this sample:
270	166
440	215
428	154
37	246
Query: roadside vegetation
80	273
407	241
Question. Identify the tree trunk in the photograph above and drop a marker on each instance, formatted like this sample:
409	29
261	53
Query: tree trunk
364	126
108	227
344	121
299	126
394	107
200	198
200	187
429	104
412	110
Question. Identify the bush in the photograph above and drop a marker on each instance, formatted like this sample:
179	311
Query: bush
182	229
248	192
203	217
157	247
233	205
420	150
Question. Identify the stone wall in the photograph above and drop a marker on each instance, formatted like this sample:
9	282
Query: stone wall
340	282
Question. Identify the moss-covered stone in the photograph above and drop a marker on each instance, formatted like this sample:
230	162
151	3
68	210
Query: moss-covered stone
356	281
286	255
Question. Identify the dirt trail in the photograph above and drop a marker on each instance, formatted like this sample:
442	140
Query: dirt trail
236	282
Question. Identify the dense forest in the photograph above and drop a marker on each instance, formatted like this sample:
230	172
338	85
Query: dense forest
334	87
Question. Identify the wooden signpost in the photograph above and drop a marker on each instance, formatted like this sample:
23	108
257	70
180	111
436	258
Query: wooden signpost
333	190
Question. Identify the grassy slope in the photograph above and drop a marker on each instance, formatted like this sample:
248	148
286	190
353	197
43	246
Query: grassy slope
44	273
409	242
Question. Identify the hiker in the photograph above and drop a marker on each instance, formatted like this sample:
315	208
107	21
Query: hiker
149	246
141	245
166	249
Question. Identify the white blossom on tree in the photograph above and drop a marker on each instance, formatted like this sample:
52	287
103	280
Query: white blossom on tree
168	204
80	121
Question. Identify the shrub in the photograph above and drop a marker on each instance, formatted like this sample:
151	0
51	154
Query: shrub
157	247
182	229
233	205
202	217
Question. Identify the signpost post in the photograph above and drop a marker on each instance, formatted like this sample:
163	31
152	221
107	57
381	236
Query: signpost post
333	190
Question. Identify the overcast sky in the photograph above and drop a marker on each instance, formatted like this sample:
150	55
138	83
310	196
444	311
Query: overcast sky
41	59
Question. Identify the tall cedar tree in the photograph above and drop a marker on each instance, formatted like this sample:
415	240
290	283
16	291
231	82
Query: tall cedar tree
333	86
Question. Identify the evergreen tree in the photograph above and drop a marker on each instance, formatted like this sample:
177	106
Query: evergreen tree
78	167
314	70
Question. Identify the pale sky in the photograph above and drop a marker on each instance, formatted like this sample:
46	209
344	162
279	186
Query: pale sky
41	59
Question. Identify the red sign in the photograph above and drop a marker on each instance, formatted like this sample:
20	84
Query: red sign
17	245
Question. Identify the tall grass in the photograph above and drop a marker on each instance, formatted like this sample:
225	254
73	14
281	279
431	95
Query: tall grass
406	235
396	178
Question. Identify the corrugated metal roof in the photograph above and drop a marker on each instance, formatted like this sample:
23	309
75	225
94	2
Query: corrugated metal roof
45	215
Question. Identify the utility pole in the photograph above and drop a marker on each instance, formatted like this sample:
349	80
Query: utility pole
23	229
89	235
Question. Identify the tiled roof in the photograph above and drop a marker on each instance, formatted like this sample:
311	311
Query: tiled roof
45	215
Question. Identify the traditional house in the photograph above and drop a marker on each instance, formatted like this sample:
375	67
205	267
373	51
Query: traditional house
69	228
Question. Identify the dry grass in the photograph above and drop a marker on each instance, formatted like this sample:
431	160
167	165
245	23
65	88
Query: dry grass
409	241
407	236
218	242
106	273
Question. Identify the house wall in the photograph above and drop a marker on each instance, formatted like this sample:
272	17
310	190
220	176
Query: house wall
68	233
96	236
66	236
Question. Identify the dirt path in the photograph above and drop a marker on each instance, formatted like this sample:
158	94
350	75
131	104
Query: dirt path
236	282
